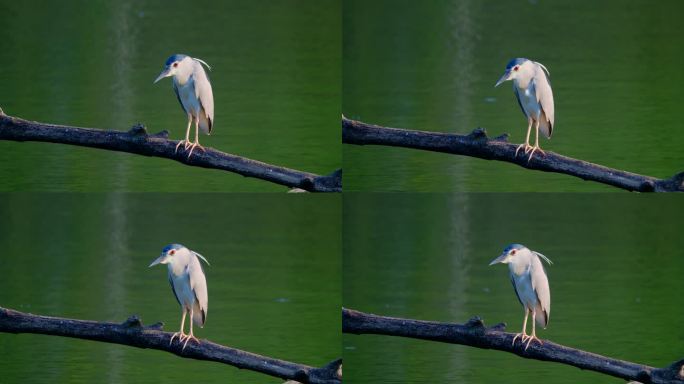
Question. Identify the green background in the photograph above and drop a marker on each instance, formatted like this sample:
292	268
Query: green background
616	72
276	76
274	280
616	286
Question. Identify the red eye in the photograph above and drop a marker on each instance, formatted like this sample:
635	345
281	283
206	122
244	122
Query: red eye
176	64
514	68
172	252
513	251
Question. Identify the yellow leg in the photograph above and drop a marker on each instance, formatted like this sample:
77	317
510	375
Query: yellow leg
527	138
191	335
523	336
536	143
534	333
187	135
180	334
196	144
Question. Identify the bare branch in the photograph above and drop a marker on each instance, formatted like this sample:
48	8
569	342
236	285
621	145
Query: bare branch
477	144
138	141
133	333
475	334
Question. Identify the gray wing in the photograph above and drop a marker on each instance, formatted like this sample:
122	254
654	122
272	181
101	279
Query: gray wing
175	90
540	284
174	290
516	291
544	95
205	94
198	284
517	98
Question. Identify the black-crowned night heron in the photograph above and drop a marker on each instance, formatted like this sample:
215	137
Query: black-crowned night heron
533	91
193	90
530	284
188	284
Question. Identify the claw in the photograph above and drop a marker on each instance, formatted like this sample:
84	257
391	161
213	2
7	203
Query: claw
530	339
535	148
192	148
188	338
518	149
526	149
180	335
178	145
522	337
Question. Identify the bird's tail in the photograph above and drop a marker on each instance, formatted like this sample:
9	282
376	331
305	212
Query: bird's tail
545	127
199	316
541	316
205	124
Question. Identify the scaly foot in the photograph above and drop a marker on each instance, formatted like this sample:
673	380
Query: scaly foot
535	148
188	338
522	337
185	145
530	339
181	336
192	148
526	146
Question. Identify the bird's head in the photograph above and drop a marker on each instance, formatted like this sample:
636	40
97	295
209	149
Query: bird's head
177	64
510	254
168	254
515	69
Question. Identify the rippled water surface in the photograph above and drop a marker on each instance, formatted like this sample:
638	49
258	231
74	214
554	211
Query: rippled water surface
615	280
276	75
431	65
274	280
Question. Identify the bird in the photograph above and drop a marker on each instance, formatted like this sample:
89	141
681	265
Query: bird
533	92
189	285
531	286
193	90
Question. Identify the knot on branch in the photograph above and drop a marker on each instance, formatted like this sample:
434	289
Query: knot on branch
329	372
475	323
673	184
158	326
501	327
138	129
328	183
478	133
133	322
503	138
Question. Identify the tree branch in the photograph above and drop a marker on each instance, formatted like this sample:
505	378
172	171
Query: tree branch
138	141
133	333
475	334
477	144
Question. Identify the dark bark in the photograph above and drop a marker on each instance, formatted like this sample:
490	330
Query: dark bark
133	333
475	334
477	144
138	141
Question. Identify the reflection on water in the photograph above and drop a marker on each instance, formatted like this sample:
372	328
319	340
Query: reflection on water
274	280
432	66
615	278
275	73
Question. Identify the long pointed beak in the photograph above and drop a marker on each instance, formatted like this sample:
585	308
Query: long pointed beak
163	74
157	261
503	78
499	259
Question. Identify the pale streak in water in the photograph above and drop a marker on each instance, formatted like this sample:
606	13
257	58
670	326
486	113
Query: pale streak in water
124	34
461	51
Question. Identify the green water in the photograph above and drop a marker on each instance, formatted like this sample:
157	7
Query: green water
274	283
616	283
276	76
431	65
